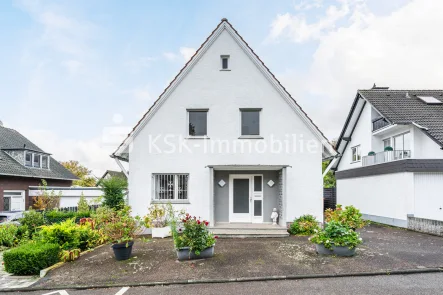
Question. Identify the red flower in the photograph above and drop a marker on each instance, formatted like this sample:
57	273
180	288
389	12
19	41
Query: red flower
198	221
184	220
206	223
215	237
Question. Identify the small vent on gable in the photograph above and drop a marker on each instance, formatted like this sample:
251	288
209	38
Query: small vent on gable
430	100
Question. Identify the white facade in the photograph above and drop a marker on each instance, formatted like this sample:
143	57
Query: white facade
224	93
388	197
71	195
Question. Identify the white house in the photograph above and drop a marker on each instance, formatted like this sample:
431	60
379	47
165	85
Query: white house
391	159
226	141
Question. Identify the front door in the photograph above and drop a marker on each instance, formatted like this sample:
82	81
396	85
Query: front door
245	198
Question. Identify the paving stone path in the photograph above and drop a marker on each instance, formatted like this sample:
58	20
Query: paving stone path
10	281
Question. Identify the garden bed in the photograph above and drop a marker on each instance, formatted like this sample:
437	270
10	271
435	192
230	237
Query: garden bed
384	248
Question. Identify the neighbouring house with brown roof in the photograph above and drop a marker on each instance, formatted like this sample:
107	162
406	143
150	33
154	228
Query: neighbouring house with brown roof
24	164
390	162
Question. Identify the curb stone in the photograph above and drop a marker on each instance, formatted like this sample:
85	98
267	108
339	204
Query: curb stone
233	280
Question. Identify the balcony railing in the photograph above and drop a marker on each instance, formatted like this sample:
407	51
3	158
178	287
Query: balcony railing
387	156
379	123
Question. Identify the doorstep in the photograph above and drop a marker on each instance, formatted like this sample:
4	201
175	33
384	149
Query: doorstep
248	230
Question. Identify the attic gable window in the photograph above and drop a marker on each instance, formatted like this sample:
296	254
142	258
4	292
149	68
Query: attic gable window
45	162
225	62
430	100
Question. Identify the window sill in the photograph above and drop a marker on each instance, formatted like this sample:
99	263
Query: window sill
170	201
250	137
197	137
225	70
355	162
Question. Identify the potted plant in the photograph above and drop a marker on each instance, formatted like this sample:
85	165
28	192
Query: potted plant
120	229
349	216
156	221
336	239
193	239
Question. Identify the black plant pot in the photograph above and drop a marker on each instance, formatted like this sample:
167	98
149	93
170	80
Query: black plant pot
121	252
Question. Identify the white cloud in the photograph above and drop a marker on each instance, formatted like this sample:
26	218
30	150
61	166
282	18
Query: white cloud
73	66
170	56
400	50
187	52
308	4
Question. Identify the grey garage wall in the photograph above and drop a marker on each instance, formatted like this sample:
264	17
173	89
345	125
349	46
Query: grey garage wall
221	194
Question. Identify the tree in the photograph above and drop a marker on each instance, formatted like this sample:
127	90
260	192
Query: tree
46	200
86	179
82	205
114	190
329	179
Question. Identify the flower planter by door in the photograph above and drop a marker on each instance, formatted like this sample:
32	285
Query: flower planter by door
121	252
161	232
335	250
185	254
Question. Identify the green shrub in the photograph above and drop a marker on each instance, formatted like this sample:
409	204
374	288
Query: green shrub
82	204
350	216
55	216
304	225
337	234
114	192
30	258
32	220
12	235
69	235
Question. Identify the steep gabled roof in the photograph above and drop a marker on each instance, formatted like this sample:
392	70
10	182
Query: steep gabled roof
11	139
401	107
122	150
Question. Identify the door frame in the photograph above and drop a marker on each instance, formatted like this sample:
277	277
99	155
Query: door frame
246	217
23	197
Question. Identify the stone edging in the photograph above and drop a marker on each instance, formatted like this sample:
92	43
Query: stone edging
234	280
45	271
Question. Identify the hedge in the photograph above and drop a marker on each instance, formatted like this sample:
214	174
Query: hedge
30	258
60	216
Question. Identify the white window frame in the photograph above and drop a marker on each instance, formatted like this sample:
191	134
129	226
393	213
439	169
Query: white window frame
47	161
26	153
357	148
155	198
222	57
40	161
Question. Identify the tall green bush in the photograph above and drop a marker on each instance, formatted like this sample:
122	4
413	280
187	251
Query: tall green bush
82	205
32	220
114	192
30	258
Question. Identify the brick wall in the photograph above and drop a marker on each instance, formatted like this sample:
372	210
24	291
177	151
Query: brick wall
23	184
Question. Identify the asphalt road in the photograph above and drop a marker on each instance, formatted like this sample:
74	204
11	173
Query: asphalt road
431	283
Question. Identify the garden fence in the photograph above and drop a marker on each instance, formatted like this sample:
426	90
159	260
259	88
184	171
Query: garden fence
329	198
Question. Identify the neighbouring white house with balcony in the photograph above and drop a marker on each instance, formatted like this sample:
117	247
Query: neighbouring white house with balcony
390	162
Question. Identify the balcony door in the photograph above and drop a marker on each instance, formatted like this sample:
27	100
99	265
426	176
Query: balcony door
402	146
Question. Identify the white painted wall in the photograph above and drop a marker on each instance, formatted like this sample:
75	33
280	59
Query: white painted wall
428	195
70	197
425	147
362	136
388	195
224	92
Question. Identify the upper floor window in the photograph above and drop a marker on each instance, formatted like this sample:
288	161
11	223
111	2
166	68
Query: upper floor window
250	121
402	146
28	159
225	62
386	143
198	122
170	186
45	162
356	153
36	162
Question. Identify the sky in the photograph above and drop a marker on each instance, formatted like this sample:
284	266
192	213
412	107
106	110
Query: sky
76	76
